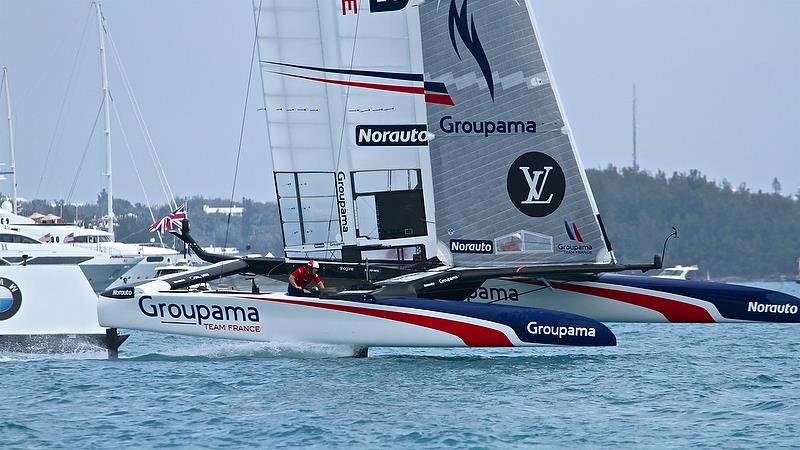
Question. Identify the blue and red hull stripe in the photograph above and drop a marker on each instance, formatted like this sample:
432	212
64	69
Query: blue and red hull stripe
472	335
673	310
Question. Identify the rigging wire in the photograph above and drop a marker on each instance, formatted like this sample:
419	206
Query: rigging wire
244	118
75	60
162	177
135	167
85	150
45	69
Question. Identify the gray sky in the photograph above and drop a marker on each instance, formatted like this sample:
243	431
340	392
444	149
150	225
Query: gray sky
718	83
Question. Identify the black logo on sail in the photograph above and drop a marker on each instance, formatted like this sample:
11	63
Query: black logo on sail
10	298
469	36
536	184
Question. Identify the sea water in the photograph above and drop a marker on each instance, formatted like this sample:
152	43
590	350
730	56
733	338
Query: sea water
663	386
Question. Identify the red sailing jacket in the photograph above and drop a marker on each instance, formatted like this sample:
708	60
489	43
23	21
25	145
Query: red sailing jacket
303	275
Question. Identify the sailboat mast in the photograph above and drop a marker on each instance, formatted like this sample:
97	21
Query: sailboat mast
11	141
107	119
635	163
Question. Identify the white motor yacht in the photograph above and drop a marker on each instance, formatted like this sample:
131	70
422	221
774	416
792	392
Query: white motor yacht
101	270
149	258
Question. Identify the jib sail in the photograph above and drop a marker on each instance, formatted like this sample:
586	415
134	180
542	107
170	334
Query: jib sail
345	97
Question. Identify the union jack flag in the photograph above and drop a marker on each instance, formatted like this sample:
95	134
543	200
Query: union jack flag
171	222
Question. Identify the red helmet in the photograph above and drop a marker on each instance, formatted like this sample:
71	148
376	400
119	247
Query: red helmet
313	264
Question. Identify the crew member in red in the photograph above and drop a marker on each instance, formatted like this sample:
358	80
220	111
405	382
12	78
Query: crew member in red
302	276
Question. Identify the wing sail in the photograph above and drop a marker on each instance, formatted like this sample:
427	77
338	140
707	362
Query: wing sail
509	186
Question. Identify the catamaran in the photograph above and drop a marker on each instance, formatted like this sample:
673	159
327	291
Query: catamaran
422	155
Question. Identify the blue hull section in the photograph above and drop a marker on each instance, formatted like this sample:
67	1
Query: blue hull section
531	325
732	301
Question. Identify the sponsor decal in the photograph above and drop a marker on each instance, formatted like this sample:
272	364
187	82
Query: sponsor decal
349	5
576	246
561	331
391	135
495	294
341	204
458	21
447	279
440	281
471	246
486	128
536	184
413	83
120	293
378	6
10	298
573	233
375	6
575	249
191	314
786	308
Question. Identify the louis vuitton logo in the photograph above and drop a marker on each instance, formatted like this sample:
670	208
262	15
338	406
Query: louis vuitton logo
535	187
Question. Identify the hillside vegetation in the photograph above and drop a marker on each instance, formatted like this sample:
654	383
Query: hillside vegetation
728	232
731	233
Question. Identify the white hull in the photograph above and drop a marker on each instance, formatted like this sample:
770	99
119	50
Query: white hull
281	318
49	308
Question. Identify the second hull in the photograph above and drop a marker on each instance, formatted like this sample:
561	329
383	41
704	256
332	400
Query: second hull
627	298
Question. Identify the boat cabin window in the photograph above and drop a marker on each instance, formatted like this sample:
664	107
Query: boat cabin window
17	239
91	239
389	204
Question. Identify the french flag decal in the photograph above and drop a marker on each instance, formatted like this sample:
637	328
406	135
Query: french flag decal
573	233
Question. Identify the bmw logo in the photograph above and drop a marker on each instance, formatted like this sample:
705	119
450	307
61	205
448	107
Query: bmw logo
10	298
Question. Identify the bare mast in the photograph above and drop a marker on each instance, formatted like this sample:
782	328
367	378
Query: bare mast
107	119
635	162
13	170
